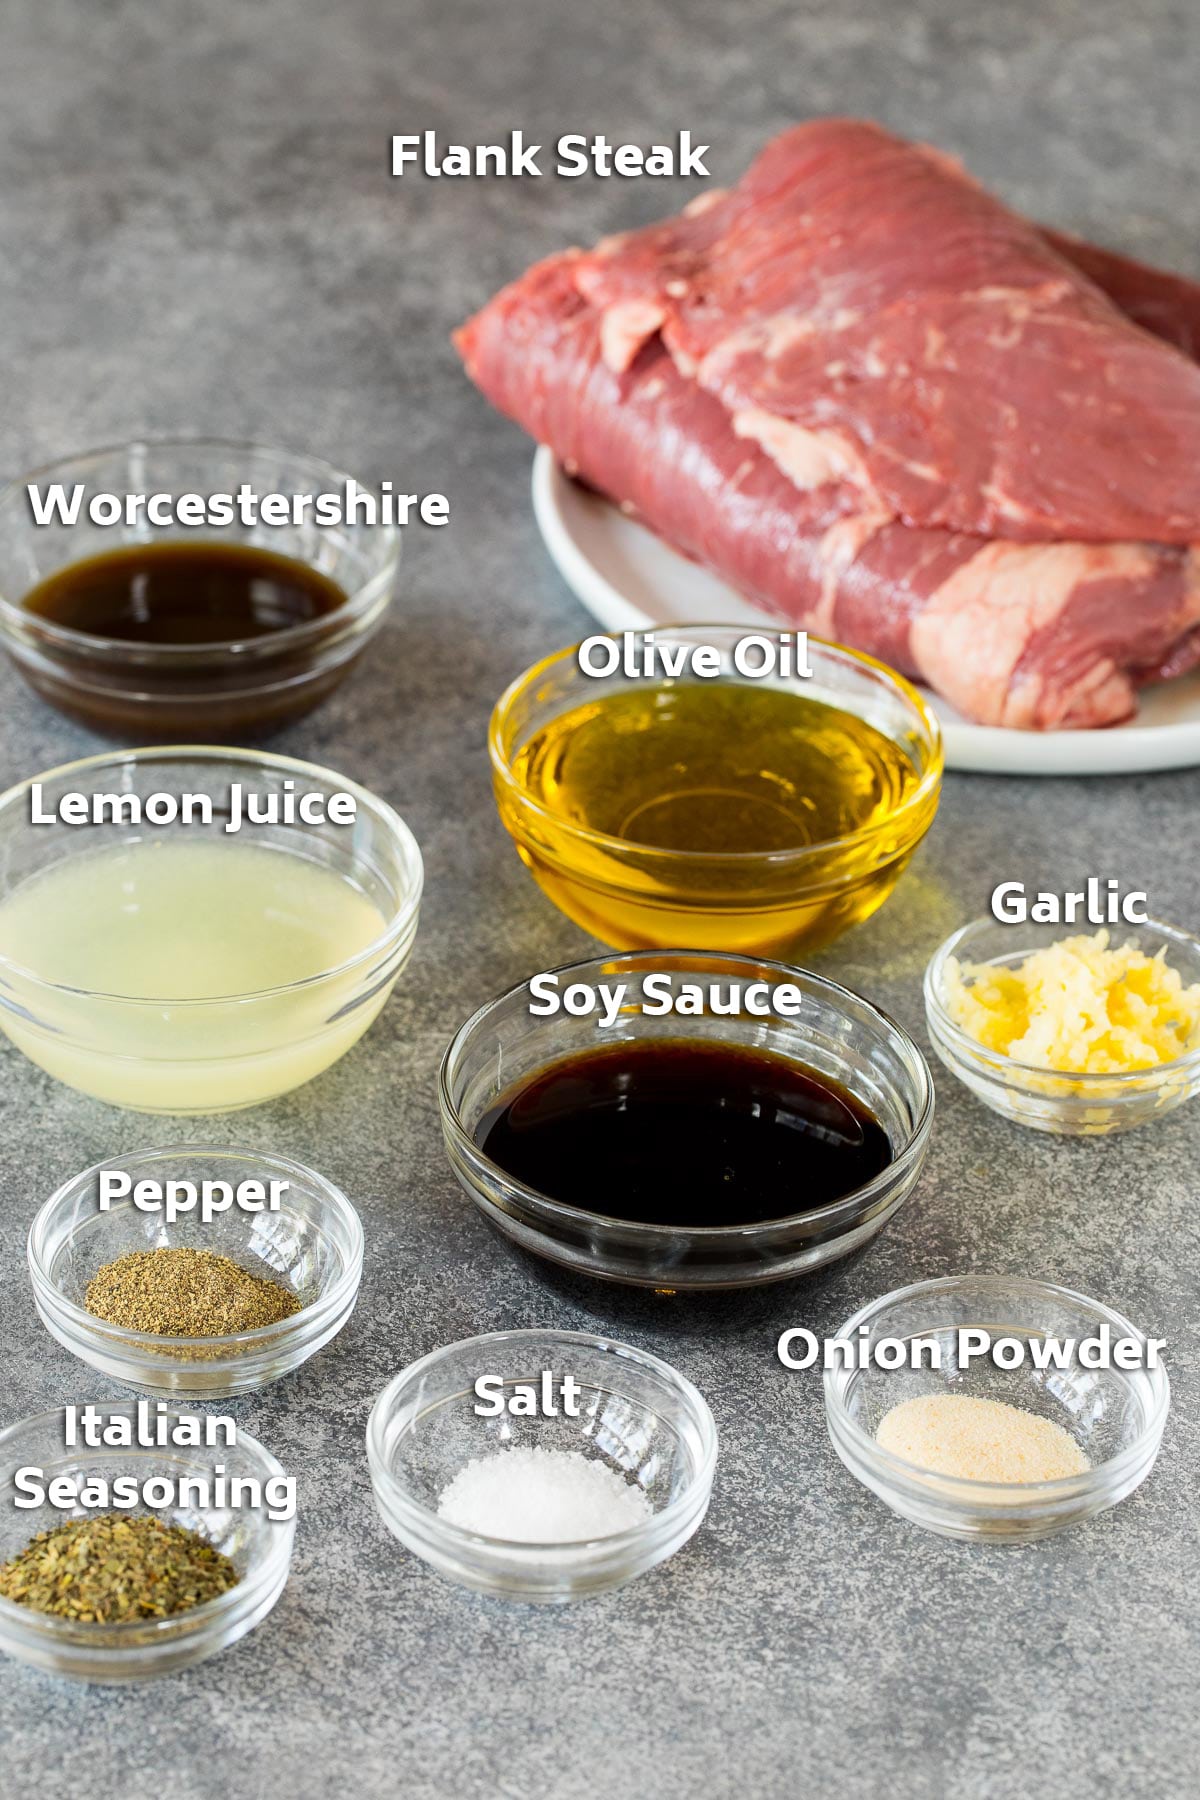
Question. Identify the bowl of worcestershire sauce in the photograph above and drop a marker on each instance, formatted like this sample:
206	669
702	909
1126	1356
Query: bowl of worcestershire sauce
217	632
687	1149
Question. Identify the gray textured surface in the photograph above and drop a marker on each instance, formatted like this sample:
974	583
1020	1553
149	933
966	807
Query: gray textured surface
197	232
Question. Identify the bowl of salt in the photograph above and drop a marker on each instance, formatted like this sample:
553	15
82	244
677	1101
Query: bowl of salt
541	1466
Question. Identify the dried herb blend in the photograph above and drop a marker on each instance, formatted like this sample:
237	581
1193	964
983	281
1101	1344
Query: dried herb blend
186	1293
108	1570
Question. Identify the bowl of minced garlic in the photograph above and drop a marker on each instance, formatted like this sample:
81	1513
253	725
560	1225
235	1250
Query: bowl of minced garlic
1078	1034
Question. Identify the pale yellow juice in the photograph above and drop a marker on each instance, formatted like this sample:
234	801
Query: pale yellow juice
178	947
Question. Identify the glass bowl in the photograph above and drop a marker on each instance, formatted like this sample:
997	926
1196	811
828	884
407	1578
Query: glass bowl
1072	1105
837	1033
222	692
313	1243
204	1055
636	1414
763	903
1116	1416
260	1548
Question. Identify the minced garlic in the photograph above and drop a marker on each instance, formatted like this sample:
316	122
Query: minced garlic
979	1440
1079	1007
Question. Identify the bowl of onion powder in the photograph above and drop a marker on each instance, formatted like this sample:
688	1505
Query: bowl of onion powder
992	1408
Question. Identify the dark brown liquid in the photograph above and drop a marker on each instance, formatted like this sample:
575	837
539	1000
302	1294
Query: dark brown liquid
685	1134
152	662
180	593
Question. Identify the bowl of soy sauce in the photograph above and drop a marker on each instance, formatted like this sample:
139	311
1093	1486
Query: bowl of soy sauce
694	1149
191	617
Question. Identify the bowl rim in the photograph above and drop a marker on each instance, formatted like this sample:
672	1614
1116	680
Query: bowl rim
399	833
929	782
248	1589
969	1488
676	1509
852	1202
1096	1081
262	1336
14	614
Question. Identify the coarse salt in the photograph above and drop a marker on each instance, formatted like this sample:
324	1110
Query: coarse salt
531	1496
979	1440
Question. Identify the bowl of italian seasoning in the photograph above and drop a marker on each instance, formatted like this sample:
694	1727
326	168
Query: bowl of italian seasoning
193	1272
113	1594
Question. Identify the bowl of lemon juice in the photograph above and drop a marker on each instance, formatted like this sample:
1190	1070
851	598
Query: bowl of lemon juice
195	929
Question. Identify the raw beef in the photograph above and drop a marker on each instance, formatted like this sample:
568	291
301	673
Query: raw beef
1168	305
865	310
847	397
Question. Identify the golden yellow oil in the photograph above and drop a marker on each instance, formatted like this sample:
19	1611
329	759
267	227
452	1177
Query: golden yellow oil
784	819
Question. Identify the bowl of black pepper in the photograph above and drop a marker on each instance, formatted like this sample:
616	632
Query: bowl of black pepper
195	1272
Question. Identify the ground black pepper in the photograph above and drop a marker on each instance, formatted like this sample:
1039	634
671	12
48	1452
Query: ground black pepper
186	1293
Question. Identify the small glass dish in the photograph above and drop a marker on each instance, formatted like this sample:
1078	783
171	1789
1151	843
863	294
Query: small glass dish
207	1055
1072	1105
1116	1416
259	1547
313	1244
837	1033
227	691
758	903
636	1414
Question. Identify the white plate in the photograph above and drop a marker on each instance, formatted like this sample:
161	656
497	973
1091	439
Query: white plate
630	581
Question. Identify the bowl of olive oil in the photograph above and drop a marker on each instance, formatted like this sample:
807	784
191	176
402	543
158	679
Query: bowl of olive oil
756	815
